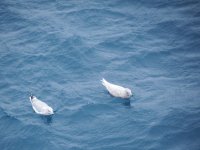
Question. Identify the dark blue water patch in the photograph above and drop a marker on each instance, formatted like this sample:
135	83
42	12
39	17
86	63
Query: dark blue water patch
169	3
9	130
28	134
190	130
10	20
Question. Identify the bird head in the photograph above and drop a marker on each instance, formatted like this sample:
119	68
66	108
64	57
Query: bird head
50	111
128	92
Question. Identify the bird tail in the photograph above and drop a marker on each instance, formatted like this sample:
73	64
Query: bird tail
30	100
31	97
103	81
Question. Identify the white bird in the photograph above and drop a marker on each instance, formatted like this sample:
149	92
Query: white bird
40	107
116	90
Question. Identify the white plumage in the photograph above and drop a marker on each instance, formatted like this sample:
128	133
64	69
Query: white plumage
40	107
116	90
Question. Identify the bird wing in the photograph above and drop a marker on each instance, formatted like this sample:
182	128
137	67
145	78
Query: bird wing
39	106
113	89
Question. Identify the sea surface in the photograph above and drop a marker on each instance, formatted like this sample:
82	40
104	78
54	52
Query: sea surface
59	50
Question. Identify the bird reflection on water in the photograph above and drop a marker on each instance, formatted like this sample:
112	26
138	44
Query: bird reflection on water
47	119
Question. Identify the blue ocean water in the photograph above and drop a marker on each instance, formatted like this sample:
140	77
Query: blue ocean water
60	50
